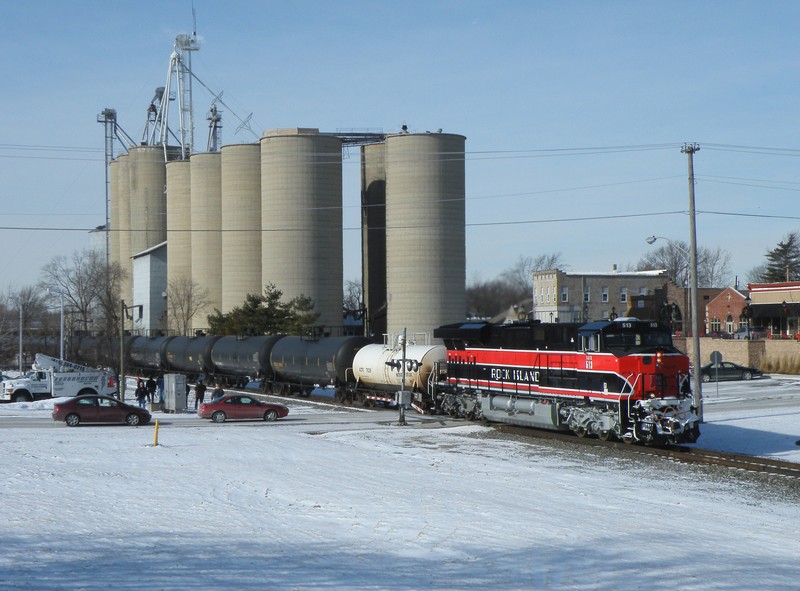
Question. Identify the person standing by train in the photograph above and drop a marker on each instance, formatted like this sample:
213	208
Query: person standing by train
217	392
199	393
141	393
151	389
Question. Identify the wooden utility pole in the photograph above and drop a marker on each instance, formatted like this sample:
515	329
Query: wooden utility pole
690	149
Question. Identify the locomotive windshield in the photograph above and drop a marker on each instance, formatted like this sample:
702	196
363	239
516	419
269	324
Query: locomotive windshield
625	336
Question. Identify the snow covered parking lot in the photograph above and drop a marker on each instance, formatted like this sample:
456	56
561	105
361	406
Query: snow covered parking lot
348	502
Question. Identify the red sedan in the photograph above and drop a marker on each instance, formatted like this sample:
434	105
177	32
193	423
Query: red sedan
238	406
93	408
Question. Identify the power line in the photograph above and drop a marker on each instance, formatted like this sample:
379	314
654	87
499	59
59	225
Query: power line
468	224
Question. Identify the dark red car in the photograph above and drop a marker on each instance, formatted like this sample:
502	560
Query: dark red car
93	408
238	406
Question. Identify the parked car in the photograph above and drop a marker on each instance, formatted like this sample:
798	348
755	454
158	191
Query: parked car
753	333
238	406
93	408
728	371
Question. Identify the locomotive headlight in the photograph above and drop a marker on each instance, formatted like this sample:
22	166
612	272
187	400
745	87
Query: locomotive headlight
659	357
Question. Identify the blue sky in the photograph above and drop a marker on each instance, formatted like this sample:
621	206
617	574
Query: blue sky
573	112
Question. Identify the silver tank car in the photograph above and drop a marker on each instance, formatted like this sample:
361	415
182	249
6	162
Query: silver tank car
304	362
372	370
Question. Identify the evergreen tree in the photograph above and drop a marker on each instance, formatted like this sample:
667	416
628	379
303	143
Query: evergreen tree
783	261
266	314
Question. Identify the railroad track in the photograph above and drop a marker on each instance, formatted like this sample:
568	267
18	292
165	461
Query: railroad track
682	454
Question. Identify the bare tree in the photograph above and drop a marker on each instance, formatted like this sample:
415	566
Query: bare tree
757	274
488	298
33	319
185	300
713	266
521	274
81	278
108	300
353	301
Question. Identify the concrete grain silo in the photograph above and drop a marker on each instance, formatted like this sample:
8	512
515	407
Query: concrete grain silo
425	242
120	192
113	211
373	235
301	212
148	202
206	230
179	237
241	222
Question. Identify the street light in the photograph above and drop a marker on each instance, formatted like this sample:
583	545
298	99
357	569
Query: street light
693	322
60	291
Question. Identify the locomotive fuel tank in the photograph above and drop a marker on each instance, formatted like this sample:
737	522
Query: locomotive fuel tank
244	356
305	361
148	352
371	366
190	354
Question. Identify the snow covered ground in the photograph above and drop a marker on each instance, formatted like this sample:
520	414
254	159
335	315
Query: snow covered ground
350	500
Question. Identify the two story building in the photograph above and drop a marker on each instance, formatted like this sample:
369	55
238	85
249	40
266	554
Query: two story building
582	297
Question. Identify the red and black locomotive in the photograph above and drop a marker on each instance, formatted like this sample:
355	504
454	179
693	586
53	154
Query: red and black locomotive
620	378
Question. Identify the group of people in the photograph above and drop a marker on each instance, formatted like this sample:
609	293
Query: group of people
200	393
146	391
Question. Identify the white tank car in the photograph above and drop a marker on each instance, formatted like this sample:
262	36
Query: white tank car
371	370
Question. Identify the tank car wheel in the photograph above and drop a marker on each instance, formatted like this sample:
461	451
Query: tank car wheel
72	420
218	417
271	415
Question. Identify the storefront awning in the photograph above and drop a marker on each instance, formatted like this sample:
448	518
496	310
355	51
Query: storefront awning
772	310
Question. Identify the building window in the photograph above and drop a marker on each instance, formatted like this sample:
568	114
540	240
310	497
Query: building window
623	294
586	295
640	304
642	291
715	325
564	295
604	297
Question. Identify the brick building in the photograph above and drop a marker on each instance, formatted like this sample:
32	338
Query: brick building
725	314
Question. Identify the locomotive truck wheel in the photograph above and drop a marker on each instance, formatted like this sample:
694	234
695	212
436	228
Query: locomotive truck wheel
604	435
132	419
746	375
580	432
72	420
271	415
218	417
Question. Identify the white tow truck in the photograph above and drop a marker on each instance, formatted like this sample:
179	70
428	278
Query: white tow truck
51	377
